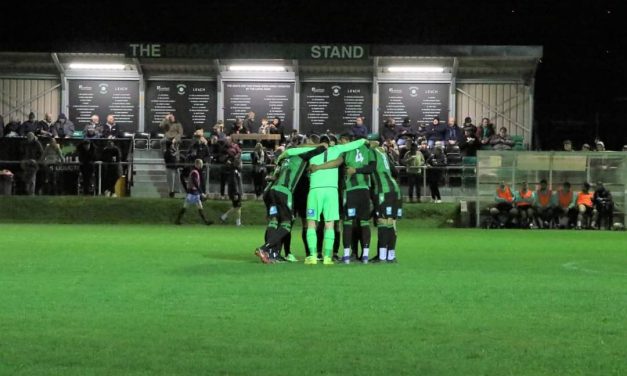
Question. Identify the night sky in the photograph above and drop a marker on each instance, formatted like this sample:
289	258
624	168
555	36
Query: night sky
581	82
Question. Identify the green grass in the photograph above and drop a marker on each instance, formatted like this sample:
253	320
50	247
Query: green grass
166	300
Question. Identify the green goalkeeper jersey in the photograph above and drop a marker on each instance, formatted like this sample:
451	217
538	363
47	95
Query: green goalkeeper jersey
357	159
383	180
328	178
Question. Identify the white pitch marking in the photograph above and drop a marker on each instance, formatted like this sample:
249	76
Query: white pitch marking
573	265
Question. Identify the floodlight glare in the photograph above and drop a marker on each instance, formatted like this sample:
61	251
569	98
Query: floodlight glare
257	68
97	66
414	69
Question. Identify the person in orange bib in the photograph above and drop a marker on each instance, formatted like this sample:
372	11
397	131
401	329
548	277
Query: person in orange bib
503	212
524	201
566	208
545	203
585	206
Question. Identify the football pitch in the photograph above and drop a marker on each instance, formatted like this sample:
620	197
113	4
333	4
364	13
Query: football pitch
166	300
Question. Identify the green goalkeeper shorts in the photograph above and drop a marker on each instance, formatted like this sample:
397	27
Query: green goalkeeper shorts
323	201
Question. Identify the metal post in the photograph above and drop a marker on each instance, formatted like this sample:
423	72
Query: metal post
99	178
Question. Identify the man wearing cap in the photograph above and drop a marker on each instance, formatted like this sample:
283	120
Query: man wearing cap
600	146
64	127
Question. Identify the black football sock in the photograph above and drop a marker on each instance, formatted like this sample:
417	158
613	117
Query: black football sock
287	243
202	215
180	215
303	235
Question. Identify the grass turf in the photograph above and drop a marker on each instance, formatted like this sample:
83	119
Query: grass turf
165	300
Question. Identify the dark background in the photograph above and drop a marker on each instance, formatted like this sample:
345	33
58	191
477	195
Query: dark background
581	85
184	110
103	102
259	102
339	120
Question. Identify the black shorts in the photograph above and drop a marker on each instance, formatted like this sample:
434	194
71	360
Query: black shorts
280	206
504	207
389	206
357	205
589	210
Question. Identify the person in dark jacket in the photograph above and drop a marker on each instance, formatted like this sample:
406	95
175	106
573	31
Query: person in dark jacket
470	143
468	124
238	127
171	158
12	129
45	126
111	168
436	162
249	122
359	130
110	129
389	130
86	157
501	141
454	134
604	207
31	153
485	131
277	128
436	131
29	125
63	126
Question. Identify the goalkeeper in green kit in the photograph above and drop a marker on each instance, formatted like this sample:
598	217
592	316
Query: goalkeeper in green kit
323	198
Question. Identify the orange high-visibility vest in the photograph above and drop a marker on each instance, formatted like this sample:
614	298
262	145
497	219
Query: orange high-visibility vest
505	194
585	199
544	198
565	198
524	196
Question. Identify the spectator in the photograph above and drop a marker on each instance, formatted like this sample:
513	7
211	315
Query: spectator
525	200
277	128
407	130
214	146
238	128
45	127
469	125
218	130
624	146
171	157
604	206
171	128
470	143
423	147
389	131
544	205
259	160
31	152
501	141
585	147
485	131
233	166
503	213
359	130
391	149
436	131
566	211
12	129
600	146
568	146
110	129
227	152
436	163
111	168
414	162
92	129
454	134
585	207
199	149
86	157
249	122
29	126
52	160
264	128
63	126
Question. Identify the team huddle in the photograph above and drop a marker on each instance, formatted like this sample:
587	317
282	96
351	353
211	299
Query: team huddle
322	184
